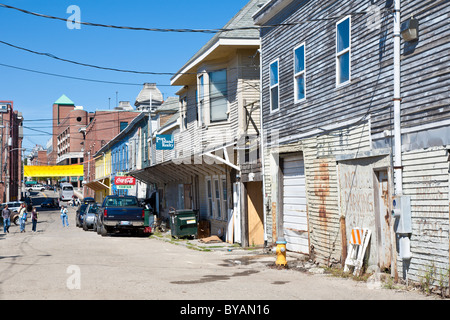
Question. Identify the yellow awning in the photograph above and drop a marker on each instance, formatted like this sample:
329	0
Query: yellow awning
54	171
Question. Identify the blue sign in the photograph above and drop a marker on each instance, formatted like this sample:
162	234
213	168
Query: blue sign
164	142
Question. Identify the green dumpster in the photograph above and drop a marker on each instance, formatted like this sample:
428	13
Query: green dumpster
183	223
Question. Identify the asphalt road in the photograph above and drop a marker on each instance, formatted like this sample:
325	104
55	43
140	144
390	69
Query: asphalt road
70	264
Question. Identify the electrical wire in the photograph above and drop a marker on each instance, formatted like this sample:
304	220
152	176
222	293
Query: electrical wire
71	77
85	64
185	30
126	27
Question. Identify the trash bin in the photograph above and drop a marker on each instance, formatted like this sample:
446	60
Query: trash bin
183	223
149	220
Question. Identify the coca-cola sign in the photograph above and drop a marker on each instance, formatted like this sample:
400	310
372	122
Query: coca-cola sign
128	181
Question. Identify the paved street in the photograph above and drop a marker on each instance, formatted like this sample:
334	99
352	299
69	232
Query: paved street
69	263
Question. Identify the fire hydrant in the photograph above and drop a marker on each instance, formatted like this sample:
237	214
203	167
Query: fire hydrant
280	251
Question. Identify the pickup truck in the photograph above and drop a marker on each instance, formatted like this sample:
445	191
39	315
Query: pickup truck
122	213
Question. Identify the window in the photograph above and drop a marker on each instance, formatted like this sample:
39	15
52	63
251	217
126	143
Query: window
224	196
201	98
183	103
299	73
145	145
217	199
209	195
343	49
218	100
274	87
123	125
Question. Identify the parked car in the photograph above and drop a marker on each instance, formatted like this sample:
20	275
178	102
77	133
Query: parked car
89	216
14	206
120	213
79	215
49	203
36	187
88	200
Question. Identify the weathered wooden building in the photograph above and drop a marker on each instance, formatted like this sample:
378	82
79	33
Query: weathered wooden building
330	114
214	167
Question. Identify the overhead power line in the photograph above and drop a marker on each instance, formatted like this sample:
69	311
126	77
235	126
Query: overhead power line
70	77
85	64
126	27
185	30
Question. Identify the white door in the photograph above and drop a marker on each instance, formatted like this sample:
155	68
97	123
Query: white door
295	223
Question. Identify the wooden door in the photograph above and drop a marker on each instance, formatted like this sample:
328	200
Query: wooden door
255	213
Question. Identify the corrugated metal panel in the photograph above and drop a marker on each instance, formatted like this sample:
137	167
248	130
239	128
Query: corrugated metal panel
295	223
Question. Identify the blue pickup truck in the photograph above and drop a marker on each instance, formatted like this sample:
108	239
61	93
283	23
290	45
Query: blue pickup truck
122	213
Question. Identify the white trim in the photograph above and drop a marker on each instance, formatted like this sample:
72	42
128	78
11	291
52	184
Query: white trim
341	53
220	42
228	163
277	6
277	85
299	74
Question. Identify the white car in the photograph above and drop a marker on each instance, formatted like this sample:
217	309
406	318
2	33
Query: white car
37	187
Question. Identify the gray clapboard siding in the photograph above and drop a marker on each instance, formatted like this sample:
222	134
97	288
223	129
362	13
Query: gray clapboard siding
371	69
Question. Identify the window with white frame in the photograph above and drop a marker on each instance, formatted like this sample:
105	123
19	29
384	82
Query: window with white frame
209	195
218	96
183	106
343	51
224	197
145	145
216	196
217	202
299	73
201	98
274	86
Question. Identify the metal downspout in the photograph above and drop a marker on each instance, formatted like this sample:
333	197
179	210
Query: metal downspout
397	103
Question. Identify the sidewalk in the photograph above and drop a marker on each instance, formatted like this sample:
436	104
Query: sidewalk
257	256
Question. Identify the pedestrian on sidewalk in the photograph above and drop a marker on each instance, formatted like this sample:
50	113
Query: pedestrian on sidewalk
6	214
22	217
64	218
34	218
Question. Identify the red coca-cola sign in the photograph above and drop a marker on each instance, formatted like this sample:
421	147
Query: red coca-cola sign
121	181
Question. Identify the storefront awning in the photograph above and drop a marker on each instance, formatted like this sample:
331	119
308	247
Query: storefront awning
97	185
170	171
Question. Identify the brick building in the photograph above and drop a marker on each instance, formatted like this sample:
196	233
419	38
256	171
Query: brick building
11	137
68	137
107	124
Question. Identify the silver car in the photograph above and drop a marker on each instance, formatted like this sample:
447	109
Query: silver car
89	216
14	207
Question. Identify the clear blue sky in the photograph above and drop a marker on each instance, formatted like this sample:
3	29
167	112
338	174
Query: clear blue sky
33	94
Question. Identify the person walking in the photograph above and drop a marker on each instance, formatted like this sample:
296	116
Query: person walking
6	214
64	218
22	217
34	218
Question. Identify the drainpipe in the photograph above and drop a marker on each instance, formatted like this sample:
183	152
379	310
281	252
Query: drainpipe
403	238
397	103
